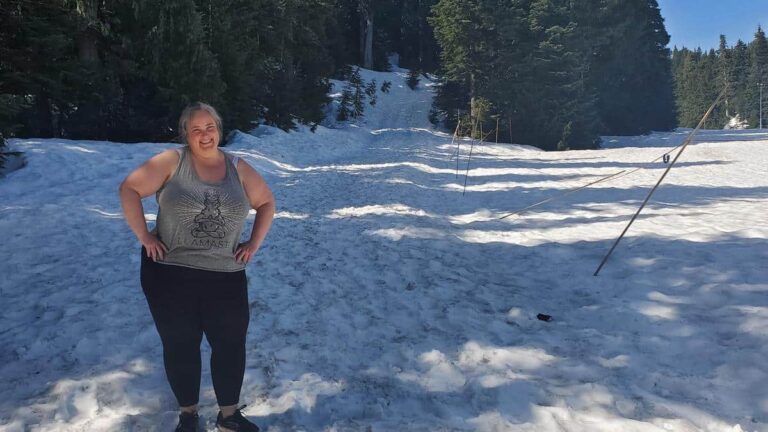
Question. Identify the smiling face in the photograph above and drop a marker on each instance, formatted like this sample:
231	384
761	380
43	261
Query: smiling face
203	135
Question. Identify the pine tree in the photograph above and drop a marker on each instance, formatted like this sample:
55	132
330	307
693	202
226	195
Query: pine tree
512	81
567	108
710	88
3	147
345	104
462	28
412	35
726	77
758	74
370	91
295	48
169	40
14	77
740	79
632	72
528	59
233	31
37	67
358	93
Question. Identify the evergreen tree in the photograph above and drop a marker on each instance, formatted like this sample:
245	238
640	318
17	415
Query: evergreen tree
345	104
566	114
358	93
343	39
37	67
295	47
171	47
701	76
412	36
463	29
740	66
399	26
370	91
233	31
631	68
758	74
528	59
710	88
726	77
3	147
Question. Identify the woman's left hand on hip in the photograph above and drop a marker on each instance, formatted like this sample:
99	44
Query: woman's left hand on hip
245	251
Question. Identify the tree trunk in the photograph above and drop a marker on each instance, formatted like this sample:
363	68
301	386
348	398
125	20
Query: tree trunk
421	38
368	58
87	48
361	40
365	7
472	101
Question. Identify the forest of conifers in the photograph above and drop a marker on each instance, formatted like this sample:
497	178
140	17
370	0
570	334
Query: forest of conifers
556	74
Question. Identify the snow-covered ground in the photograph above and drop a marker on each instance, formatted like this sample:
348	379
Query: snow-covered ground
385	300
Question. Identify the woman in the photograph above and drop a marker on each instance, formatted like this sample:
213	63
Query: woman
192	264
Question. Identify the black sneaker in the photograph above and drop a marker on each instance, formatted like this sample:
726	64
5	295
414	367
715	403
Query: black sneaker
236	422
188	422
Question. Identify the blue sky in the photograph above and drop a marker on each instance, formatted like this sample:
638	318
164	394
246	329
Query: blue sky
694	23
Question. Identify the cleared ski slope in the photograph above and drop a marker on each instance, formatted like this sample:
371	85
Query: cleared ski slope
384	300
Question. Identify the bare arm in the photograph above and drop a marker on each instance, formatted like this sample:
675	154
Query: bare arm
261	199
142	182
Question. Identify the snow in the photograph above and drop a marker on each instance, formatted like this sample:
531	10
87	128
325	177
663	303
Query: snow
384	299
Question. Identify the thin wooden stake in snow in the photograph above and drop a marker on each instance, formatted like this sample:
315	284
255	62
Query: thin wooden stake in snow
470	151
455	133
466	175
682	149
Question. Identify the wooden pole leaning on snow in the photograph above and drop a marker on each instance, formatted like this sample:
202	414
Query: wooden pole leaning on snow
455	134
671	164
469	159
470	151
558	196
613	176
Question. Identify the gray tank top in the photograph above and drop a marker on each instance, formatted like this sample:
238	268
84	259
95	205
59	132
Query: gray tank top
201	222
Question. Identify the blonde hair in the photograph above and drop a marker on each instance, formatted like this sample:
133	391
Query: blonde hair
187	114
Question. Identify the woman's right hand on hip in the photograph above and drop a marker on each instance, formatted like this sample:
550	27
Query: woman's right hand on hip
155	248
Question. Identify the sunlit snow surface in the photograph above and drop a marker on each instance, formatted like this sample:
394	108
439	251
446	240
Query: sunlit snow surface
385	300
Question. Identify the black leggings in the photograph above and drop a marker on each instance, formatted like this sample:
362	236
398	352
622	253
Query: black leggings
187	303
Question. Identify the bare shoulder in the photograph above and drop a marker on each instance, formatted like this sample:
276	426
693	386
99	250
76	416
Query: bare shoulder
165	162
168	156
247	173
152	174
255	187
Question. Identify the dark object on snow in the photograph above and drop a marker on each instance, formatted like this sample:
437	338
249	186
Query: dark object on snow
413	79
544	317
666	158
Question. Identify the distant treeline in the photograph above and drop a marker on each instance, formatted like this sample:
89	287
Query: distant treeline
551	73
554	73
123	69
700	77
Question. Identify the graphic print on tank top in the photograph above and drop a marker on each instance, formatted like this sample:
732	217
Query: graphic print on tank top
209	222
204	214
